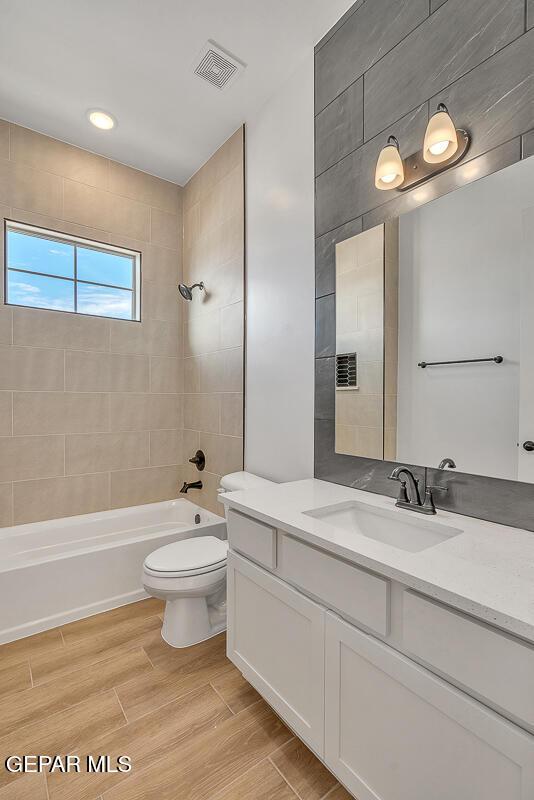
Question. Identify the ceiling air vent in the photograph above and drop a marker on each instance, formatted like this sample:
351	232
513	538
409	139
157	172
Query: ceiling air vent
346	371
218	67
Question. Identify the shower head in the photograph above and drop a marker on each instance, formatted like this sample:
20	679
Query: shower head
187	291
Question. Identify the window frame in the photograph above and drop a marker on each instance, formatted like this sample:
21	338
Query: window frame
86	244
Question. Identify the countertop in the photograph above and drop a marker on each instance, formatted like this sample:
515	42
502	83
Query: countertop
487	570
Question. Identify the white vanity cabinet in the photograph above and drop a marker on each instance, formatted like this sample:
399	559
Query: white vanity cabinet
394	731
402	697
276	639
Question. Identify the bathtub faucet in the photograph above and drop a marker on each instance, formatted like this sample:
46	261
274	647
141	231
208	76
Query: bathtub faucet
195	485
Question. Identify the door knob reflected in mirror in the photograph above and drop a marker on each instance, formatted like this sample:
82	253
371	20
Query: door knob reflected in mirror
528	446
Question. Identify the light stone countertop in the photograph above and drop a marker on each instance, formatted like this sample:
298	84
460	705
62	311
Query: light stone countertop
487	570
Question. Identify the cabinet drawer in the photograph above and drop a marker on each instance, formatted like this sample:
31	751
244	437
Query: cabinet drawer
493	665
254	539
344	587
395	731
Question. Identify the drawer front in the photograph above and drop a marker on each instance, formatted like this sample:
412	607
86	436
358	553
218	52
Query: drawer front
253	539
352	591
493	665
276	639
394	731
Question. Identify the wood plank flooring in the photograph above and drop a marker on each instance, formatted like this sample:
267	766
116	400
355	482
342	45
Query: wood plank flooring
193	727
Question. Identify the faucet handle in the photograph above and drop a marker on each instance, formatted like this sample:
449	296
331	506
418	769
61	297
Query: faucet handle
428	505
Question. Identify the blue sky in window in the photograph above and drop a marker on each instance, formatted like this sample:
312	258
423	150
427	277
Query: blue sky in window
37	291
40	255
99	267
104	302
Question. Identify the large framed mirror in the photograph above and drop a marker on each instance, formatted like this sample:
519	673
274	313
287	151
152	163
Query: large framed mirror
435	332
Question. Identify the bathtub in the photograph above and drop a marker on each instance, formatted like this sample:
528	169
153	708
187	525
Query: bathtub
61	570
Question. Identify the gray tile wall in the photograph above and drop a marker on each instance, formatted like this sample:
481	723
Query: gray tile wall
382	69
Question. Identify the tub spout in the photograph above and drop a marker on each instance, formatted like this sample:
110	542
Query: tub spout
195	485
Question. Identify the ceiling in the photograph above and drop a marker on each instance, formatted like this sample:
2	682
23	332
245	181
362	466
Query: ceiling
135	58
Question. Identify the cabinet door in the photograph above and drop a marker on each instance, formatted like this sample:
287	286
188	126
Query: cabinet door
276	639
394	731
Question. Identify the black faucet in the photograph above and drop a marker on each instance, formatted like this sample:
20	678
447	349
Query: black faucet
195	485
412	500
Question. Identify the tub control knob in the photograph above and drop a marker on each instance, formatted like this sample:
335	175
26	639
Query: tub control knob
199	460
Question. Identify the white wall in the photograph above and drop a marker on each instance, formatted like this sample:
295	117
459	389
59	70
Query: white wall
460	297
280	283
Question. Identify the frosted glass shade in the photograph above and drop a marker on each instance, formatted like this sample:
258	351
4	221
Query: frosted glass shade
389	168
441	139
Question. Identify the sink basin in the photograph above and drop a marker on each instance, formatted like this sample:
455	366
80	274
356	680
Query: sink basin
390	527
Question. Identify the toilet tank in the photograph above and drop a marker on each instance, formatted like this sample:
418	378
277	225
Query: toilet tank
236	481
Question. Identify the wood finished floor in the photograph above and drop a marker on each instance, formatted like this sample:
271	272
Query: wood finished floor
193	727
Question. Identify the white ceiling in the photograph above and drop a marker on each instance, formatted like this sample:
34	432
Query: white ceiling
134	58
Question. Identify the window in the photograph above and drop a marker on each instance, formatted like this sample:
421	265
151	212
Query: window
46	269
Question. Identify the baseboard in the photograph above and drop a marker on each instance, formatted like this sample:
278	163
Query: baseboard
73	614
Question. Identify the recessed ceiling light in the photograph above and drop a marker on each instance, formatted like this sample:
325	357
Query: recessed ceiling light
101	119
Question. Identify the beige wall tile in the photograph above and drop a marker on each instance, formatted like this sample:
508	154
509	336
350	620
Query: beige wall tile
202	334
224	454
161	265
206	497
202	412
102	372
161	302
371	442
60	497
59	412
40	328
25	457
146	188
355	409
151	337
6	325
152	485
232	414
166	375
370	377
232	370
224	200
100	452
166	447
51	155
99	209
145	411
165	229
192	374
6	413
6	504
30	368
232	324
191	444
30	189
63	226
4	139
370	311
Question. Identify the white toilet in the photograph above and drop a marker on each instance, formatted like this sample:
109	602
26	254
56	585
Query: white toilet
190	575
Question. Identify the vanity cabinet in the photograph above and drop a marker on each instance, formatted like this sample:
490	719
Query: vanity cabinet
276	639
402	697
394	731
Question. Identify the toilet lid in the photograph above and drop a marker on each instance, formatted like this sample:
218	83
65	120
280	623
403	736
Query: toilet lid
198	553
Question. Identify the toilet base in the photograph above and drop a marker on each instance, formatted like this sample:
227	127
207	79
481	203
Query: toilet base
190	620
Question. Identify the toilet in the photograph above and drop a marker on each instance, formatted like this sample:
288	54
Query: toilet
190	575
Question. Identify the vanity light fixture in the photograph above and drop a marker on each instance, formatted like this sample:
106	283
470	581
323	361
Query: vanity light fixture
101	119
389	167
443	146
441	138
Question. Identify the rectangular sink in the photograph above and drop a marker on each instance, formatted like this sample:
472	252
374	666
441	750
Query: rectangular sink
390	527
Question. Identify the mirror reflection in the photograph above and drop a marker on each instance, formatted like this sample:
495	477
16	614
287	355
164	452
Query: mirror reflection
451	281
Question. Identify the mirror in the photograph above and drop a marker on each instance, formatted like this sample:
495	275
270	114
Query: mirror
450	281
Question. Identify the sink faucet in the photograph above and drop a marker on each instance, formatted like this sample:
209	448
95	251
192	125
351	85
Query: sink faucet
195	485
446	462
412	499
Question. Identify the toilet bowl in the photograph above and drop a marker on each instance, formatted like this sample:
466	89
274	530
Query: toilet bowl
190	575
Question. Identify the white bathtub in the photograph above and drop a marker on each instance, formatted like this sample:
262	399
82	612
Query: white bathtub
61	570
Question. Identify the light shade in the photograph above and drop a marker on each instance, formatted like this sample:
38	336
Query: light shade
389	168
441	139
101	119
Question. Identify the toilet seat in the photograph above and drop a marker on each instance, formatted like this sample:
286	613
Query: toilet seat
197	556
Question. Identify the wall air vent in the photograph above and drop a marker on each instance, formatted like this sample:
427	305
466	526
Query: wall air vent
346	371
217	66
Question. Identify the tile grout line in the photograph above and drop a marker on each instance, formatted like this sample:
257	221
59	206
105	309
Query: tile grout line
284	778
219	695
